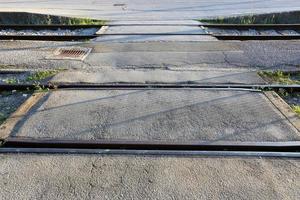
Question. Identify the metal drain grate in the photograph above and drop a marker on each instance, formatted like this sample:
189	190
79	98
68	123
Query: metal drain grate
70	53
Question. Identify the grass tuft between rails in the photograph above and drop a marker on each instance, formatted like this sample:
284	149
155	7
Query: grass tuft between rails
280	77
41	75
296	109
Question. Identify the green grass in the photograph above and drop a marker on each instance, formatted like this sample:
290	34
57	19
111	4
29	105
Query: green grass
296	109
280	77
84	21
241	20
44	19
270	18
11	81
41	75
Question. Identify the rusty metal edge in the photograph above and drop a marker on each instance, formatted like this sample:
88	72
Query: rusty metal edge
15	117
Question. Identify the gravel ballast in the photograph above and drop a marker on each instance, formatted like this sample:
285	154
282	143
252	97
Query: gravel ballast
59	32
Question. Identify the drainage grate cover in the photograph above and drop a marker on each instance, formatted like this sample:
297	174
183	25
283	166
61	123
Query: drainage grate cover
70	53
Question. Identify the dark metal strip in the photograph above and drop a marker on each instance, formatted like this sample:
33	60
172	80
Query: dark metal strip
47	37
160	34
49	27
17	142
195	25
253	26
152	152
257	37
293	88
229	26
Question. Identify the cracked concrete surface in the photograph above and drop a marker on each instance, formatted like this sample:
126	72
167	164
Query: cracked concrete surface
251	55
174	76
176	115
180	115
136	177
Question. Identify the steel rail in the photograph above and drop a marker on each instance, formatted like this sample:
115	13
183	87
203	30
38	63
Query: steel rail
26	142
256	37
224	26
239	27
253	26
49	27
294	155
84	37
47	37
193	25
162	34
6	87
220	37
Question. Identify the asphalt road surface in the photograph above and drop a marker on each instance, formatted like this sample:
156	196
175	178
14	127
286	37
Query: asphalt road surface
149	9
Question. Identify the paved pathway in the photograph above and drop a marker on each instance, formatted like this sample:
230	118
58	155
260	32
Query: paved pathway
176	115
149	10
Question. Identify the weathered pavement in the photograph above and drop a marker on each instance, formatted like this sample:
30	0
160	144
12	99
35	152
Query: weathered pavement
173	115
134	177
149	10
176	115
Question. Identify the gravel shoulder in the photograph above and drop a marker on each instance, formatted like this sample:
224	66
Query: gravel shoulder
58	32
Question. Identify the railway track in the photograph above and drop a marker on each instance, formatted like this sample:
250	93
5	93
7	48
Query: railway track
261	149
201	148
276	87
289	149
58	36
220	31
254	31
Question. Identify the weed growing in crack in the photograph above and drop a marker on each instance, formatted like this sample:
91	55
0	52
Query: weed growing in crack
280	77
296	109
41	75
11	81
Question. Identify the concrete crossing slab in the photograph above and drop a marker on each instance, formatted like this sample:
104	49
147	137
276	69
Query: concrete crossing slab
166	60
157	29
154	22
154	38
164	46
175	115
